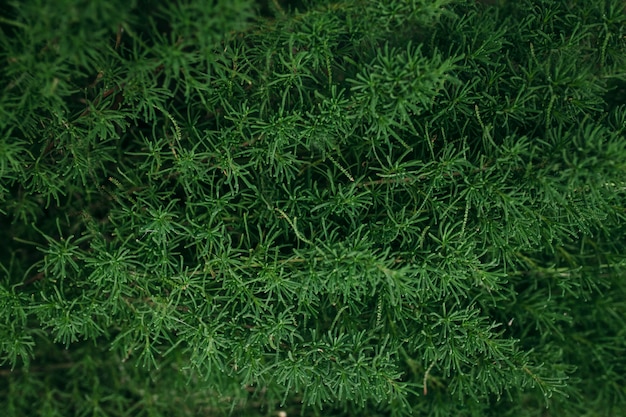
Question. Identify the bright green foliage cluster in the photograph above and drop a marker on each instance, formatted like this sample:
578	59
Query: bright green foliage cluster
351	207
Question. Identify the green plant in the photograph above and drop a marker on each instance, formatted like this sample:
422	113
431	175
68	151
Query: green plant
372	207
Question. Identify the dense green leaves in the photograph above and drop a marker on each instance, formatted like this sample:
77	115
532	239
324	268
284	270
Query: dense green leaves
357	207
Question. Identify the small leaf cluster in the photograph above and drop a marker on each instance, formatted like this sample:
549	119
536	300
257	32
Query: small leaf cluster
329	208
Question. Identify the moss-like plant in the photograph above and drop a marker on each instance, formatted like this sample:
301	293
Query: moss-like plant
351	207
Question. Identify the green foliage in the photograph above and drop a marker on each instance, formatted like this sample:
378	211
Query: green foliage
363	207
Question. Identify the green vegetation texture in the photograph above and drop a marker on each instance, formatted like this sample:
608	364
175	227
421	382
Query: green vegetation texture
321	208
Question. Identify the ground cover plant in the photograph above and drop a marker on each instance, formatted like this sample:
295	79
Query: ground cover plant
357	207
